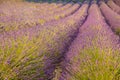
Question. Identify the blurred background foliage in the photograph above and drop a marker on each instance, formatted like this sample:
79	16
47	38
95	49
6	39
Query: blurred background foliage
43	0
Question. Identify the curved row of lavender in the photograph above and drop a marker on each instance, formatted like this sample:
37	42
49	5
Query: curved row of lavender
61	14
16	16
117	2
24	31
114	6
33	53
26	8
49	10
111	17
95	53
64	7
16	11
38	20
23	6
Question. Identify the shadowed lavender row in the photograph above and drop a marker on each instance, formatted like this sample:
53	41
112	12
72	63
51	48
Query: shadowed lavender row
111	17
95	53
33	53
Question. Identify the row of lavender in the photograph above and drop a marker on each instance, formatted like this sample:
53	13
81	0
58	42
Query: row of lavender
114	6
14	14
95	53
111	17
33	53
11	19
117	2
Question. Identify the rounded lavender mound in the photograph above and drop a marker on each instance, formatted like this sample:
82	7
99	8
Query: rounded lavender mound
95	53
33	53
111	17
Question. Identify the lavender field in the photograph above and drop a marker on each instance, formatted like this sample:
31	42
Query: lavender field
59	39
